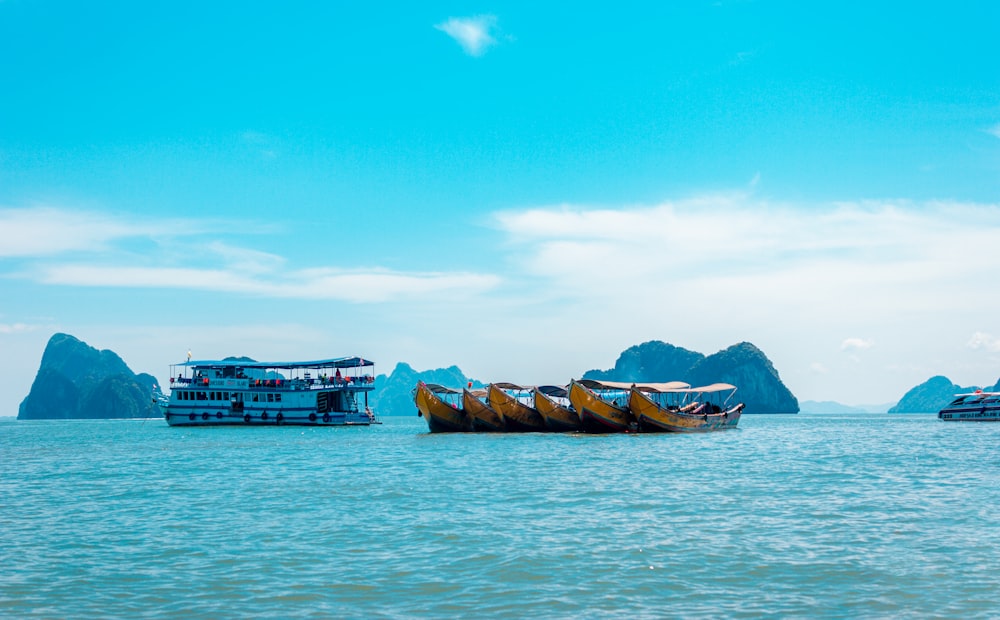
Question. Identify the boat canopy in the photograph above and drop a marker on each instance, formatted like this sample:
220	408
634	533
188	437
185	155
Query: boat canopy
503	385
670	386
555	391
706	389
336	362
440	389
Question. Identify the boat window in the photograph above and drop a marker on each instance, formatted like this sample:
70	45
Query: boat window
277	398
225	396
202	396
255	397
270	398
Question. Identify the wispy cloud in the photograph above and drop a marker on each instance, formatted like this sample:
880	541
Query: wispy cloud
726	235
87	249
50	231
16	328
45	231
982	340
994	130
474	34
855	344
320	283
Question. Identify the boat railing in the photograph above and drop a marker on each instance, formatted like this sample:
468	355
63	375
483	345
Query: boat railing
358	382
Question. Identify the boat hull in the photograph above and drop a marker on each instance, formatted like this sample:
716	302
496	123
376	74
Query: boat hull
970	414
597	415
441	417
517	417
557	418
484	418
264	418
651	418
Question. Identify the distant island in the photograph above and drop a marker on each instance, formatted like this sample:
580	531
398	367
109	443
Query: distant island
932	395
75	380
743	365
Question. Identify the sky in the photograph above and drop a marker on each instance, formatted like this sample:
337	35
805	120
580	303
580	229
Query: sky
523	190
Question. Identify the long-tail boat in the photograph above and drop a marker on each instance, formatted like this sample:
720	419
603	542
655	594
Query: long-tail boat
517	416
552	401
684	409
439	406
602	405
483	417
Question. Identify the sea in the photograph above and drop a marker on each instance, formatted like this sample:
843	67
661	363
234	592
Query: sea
788	516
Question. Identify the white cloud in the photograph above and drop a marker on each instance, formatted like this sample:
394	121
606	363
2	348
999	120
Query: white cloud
97	243
982	340
49	231
16	328
321	283
45	231
994	130
855	344
857	252
474	34
246	260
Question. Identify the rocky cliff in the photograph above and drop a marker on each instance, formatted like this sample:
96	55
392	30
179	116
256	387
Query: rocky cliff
76	380
393	394
742	365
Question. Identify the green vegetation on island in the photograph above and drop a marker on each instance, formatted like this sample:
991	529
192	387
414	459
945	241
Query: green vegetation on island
76	380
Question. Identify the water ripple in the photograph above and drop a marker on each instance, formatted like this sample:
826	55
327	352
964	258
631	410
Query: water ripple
788	516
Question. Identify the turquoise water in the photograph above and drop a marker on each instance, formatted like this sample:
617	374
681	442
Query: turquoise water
872	516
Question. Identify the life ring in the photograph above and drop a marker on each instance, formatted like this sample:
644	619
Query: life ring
191	416
204	416
278	418
263	416
246	418
218	414
326	418
312	417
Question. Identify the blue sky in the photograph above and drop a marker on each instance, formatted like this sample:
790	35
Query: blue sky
521	190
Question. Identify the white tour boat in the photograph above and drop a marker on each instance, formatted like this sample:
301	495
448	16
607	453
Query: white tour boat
331	392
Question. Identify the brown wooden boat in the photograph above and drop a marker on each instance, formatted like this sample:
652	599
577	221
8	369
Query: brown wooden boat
685	410
517	416
602	405
439	406
552	402
484	418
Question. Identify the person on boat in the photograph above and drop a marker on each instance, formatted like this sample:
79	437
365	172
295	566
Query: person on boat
337	377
